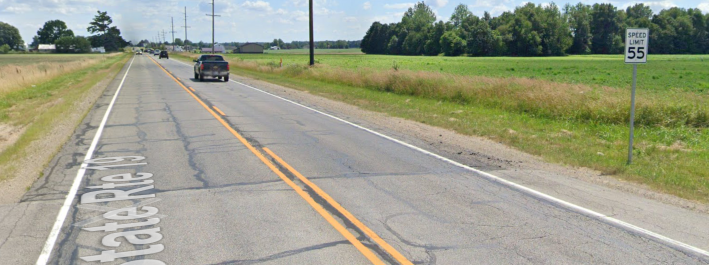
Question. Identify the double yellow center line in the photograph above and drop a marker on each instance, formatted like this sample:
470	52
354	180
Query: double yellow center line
318	208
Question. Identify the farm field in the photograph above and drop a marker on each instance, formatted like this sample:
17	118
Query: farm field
25	59
353	51
663	72
567	118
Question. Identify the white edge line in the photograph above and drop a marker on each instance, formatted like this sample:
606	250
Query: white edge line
510	184
61	217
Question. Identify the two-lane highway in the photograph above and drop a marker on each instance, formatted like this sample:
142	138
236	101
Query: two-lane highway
188	172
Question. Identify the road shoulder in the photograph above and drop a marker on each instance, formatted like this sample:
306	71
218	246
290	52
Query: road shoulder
37	155
25	221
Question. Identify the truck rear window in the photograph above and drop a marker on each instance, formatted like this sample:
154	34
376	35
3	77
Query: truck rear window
212	59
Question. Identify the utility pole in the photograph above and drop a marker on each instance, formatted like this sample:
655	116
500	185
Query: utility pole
186	27
213	15
312	39
173	30
163	36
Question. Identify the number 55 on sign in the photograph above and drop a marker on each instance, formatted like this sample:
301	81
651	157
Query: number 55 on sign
636	43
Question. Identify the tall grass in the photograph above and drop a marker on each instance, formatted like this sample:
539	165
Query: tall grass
540	98
16	77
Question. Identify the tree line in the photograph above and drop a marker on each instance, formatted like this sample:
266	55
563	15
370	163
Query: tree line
539	30
56	32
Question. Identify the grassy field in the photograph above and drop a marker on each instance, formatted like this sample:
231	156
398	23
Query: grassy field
317	51
35	108
570	110
27	59
663	72
22	70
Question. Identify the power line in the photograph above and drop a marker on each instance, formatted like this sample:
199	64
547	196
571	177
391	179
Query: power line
213	15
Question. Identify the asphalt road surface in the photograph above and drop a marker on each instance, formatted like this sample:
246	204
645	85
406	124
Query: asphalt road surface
187	172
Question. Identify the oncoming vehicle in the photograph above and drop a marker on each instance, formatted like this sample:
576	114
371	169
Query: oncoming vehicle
156	53
139	52
211	66
163	54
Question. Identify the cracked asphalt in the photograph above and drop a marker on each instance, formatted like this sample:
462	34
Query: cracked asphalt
219	204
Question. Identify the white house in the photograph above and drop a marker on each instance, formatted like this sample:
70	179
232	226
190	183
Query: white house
275	48
47	48
98	49
218	48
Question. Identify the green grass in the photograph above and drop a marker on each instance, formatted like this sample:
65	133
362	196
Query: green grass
668	159
25	59
662	73
41	106
317	51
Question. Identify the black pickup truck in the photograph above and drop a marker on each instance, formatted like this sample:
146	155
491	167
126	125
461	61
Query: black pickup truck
211	66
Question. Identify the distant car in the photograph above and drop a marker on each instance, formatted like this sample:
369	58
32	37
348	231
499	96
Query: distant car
156	53
163	54
149	51
139	52
211	66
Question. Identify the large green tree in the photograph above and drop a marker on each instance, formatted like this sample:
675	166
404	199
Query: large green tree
452	44
52	31
579	19
460	14
11	36
433	42
415	25
605	26
107	36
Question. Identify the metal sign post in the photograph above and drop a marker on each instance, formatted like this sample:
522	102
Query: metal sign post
636	50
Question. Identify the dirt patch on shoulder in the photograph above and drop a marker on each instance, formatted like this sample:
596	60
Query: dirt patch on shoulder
9	135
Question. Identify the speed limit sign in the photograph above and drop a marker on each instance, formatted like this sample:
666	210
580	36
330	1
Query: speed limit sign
636	41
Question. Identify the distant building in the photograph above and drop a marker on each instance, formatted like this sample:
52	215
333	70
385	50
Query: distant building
251	48
218	48
47	48
98	49
275	48
173	48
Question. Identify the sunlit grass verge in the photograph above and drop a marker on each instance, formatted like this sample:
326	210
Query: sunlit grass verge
38	109
34	69
669	159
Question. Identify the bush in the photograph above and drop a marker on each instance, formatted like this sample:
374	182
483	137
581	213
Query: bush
4	49
452	44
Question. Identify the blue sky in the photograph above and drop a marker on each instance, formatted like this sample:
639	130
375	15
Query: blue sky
252	20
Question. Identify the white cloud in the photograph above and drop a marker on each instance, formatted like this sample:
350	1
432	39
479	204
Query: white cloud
436	3
257	6
494	7
399	6
18	9
656	6
367	6
704	7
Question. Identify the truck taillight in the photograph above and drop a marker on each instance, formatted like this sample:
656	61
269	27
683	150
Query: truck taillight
227	67
201	67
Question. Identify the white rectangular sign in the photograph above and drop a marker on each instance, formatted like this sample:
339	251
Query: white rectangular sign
636	45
